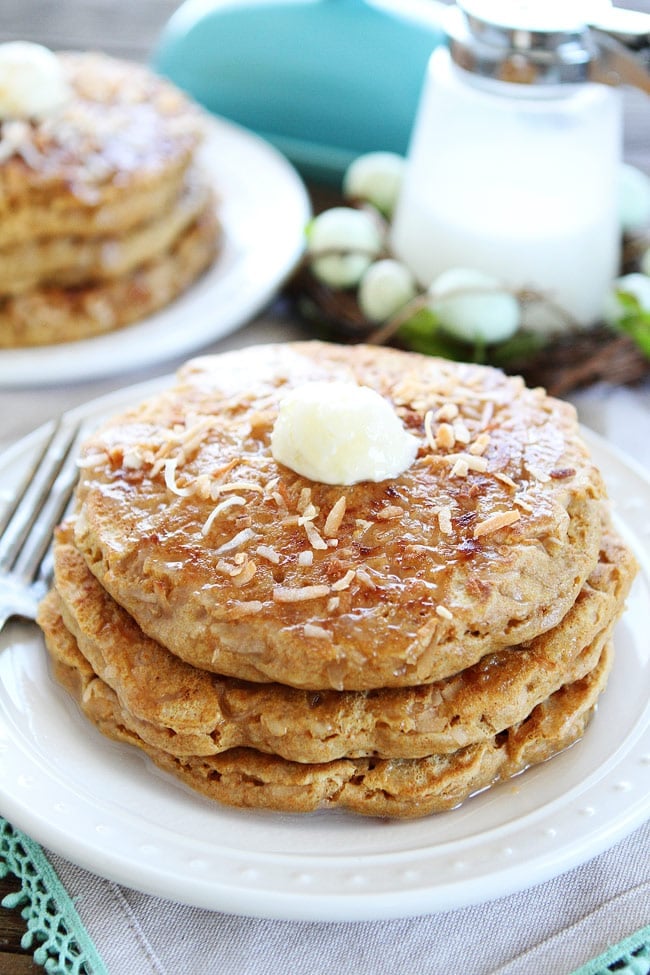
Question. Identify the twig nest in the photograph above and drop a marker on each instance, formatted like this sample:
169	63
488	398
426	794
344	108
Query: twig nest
474	306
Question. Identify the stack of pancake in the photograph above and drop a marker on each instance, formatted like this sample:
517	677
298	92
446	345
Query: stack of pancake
390	647
104	214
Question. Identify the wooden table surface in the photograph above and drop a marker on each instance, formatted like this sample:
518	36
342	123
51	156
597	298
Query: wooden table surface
129	29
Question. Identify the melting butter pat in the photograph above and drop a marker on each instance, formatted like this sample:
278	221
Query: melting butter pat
340	433
32	82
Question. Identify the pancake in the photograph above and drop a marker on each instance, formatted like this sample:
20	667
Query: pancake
240	566
184	711
107	162
105	214
369	786
49	315
70	261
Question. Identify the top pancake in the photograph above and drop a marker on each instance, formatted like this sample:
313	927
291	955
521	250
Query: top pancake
484	542
112	158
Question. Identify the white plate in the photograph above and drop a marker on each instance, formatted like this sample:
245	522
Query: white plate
105	807
263	207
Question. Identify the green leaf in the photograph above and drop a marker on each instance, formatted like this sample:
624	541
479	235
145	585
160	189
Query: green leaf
638	328
635	321
523	345
422	333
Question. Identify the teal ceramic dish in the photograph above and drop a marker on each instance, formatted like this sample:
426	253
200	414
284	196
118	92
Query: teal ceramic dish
322	80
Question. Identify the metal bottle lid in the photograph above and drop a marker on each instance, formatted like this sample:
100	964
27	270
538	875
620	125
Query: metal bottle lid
549	42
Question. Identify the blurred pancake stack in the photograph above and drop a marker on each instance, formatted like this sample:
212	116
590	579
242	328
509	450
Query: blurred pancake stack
105	216
286	642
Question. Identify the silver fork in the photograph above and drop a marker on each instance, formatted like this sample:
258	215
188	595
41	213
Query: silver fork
27	527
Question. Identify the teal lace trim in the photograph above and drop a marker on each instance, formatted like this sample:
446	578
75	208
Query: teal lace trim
54	932
629	957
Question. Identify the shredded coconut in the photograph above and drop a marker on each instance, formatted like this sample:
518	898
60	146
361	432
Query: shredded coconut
268	553
444	521
319	632
495	522
170	479
389	512
448	411
335	518
240	538
233	501
315	539
344	582
287	594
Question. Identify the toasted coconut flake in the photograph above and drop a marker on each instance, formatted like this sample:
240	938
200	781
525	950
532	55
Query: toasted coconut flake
240	538
92	460
505	479
444	520
390	512
495	522
428	430
133	459
247	572
444	613
333	604
335	518
366	579
279	500
170	479
521	503
314	537
538	474
460	468
304	500
306	557
246	607
487	414
238	486
344	582
226	568
316	632
234	501
268	553
448	411
467	462
461	433
308	514
445	437
480	445
299	594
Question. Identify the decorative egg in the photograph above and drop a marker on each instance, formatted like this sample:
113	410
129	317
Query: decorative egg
385	288
634	198
375	177
349	240
474	306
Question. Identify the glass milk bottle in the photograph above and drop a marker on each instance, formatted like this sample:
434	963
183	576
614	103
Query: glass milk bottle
514	161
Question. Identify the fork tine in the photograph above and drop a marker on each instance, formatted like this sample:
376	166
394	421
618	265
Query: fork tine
39	540
18	543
